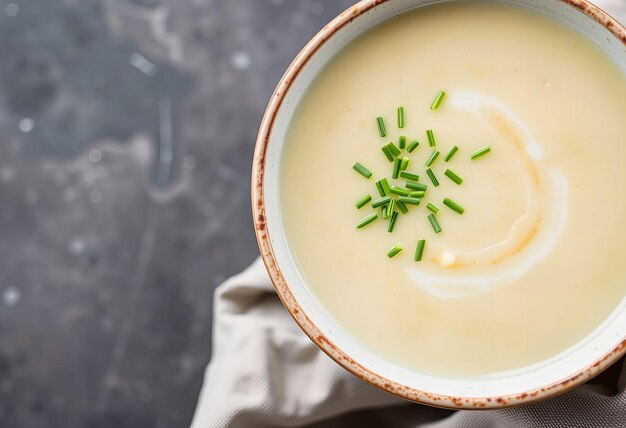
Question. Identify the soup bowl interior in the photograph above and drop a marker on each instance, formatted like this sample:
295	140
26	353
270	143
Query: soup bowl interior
573	366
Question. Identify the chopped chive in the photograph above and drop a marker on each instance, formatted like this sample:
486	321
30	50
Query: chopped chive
363	201
395	250
409	176
387	153
405	163
434	223
452	176
419	250
381	127
392	222
391	206
403	208
431	138
438	99
386	188
432	177
400	117
380	188
480	152
409	200
432	208
415	186
393	149
361	170
384	212
453	206
412	146
402	141
451	151
399	191
397	163
433	157
417	194
366	220
380	202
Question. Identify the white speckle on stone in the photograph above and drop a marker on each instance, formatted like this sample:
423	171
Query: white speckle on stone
11	297
190	162
317	8
95	155
77	246
95	196
240	60
7	174
106	324
26	125
31	197
12	10
140	62
70	194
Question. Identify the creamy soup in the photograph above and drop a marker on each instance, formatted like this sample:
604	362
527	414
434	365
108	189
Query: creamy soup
536	261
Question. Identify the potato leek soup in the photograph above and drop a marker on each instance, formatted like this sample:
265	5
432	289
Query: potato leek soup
452	188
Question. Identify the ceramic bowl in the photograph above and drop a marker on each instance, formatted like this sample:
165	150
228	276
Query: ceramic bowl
558	374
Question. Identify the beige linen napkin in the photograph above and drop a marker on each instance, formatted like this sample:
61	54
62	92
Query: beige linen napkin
264	372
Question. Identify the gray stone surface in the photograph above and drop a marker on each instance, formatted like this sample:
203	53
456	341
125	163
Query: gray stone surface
126	137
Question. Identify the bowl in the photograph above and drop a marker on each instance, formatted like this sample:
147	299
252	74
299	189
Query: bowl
605	345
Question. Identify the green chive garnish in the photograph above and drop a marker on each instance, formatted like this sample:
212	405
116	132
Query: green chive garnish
361	170
451	151
405	163
415	186
409	176
393	149
412	146
433	157
419	251
438	99
400	118
402	141
417	194
381	127
399	191
387	153
381	201
453	206
409	200
431	138
366	220
395	250
452	176
379	187
434	223
432	177
480	152
391	206
386	188
397	163
432	208
403	208
363	201
384	212
392	222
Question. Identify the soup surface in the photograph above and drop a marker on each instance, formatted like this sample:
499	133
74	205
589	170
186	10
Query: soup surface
537	260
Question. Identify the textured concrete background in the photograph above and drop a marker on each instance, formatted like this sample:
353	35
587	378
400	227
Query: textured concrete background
126	136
